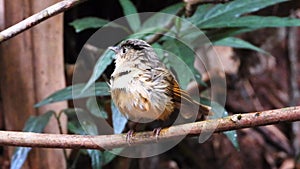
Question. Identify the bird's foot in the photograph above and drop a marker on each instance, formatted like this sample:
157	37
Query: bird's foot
156	133
129	136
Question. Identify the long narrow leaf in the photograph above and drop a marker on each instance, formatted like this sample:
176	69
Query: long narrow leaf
96	158
220	112
87	23
255	22
94	22
218	34
75	92
108	156
238	43
74	125
147	31
130	12
102	63
187	56
119	121
33	124
96	107
162	17
229	11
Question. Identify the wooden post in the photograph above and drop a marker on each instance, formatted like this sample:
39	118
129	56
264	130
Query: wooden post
31	68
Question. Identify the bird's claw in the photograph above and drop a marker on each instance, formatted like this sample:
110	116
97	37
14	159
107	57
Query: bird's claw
156	133
129	136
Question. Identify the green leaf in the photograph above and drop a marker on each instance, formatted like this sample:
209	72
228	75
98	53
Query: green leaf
71	112
187	56
162	18
94	23
254	22
147	31
158	21
88	23
229	11
96	158
19	157
37	124
238	43
86	122
159	51
100	66
86	125
193	37
75	128
89	126
75	92
73	123
218	34
233	137
107	156
131	14
96	107
119	121
220	112
178	24
173	9
33	124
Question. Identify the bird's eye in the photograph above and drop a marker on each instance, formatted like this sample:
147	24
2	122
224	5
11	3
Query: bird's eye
124	50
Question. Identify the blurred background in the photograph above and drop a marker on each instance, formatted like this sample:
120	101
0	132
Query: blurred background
262	76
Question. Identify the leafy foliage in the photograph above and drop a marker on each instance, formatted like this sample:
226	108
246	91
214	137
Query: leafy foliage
76	92
88	22
129	9
237	43
221	13
119	121
220	23
101	65
186	55
96	107
255	22
93	22
33	124
96	158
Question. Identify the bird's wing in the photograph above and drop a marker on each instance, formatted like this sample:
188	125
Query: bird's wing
184	98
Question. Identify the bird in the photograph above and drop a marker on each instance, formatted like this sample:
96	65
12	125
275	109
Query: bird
143	88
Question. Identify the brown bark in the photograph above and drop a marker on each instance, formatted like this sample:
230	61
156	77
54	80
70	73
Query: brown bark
32	68
37	18
49	77
100	142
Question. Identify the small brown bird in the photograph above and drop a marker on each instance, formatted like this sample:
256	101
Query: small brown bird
143	88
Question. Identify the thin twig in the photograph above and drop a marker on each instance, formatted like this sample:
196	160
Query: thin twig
37	18
238	121
57	117
294	92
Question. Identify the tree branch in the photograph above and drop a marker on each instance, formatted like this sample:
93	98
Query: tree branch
37	18
237	121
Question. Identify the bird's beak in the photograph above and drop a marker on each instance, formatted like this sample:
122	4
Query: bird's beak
114	48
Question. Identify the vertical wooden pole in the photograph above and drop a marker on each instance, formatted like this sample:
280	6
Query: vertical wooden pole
31	67
49	74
